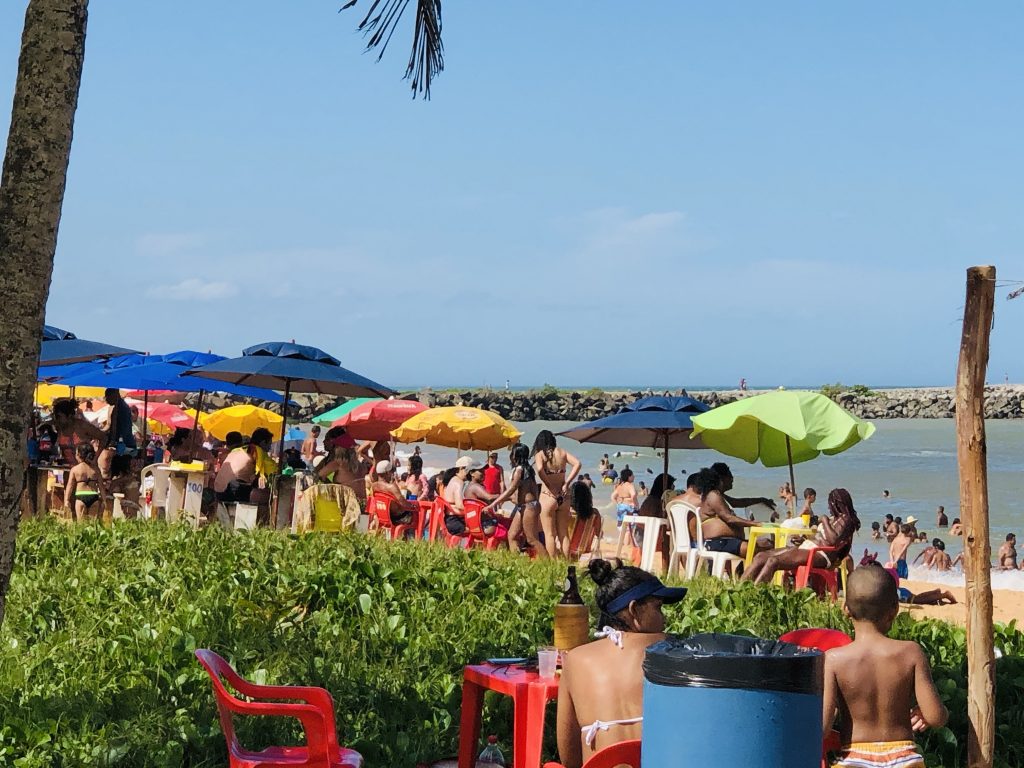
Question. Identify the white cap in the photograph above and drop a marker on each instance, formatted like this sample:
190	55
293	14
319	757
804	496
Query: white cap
466	462
383	467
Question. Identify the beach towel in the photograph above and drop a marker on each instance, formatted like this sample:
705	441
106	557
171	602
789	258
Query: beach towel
879	754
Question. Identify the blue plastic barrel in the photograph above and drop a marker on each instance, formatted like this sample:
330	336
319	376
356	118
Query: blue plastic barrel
724	700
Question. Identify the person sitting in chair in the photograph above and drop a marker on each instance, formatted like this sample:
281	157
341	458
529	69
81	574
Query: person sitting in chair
386	484
836	531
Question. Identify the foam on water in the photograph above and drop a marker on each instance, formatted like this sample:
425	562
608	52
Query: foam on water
1013	580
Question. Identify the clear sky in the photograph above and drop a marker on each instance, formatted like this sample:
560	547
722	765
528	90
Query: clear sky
674	193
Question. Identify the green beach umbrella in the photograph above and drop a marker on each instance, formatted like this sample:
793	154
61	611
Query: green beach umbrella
338	411
781	428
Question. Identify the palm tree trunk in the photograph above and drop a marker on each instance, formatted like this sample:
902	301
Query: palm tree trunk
31	195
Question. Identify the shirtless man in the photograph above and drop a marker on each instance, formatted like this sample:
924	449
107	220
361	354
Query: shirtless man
1008	553
927	555
874	682
237	472
725	483
722	528
941	561
900	547
309	447
892	528
940	517
957	528
85	485
387	484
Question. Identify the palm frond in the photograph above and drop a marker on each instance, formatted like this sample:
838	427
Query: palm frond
426	61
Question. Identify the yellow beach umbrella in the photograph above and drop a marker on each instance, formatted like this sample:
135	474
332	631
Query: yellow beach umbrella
199	416
47	393
240	418
462	427
158	428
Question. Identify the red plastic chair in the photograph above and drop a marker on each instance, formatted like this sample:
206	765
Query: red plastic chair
821	580
315	712
438	532
623	753
822	640
474	526
818	638
380	506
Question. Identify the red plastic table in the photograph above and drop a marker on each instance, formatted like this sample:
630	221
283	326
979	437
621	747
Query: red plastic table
530	694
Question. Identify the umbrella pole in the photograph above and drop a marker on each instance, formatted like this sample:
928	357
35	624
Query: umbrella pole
666	455
280	448
145	419
792	480
195	427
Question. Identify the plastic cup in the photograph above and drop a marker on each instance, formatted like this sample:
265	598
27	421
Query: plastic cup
547	660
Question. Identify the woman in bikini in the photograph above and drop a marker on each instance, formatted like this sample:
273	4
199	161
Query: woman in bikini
522	485
625	496
556	470
600	696
85	485
836	531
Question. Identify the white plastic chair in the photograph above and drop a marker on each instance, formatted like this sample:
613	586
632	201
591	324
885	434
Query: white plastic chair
682	548
718	560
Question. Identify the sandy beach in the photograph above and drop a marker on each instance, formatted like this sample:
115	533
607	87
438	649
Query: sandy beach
1007	604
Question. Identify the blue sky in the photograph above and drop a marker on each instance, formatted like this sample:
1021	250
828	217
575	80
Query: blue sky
673	193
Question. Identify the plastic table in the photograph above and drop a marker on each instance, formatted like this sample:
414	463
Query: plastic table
652	536
781	534
530	694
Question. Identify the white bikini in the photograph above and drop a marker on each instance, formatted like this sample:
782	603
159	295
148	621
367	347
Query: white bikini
590	732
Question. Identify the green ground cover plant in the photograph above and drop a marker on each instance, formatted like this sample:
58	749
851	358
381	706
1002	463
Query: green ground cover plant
96	664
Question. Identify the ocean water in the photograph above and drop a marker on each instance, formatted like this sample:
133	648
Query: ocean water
915	459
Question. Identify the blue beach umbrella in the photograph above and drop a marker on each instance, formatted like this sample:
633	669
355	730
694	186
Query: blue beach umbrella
290	367
68	349
660	422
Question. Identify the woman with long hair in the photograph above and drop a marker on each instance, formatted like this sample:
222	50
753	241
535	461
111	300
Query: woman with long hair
526	514
600	696
556	470
835	531
416	486
625	496
586	527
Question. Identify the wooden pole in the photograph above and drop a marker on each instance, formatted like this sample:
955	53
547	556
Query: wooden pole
971	457
666	454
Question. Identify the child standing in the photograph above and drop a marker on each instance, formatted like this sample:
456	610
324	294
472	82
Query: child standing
874	682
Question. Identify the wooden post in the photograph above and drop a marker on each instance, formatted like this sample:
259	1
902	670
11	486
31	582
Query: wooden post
971	457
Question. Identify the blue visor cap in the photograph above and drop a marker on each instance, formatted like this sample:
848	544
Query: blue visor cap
643	590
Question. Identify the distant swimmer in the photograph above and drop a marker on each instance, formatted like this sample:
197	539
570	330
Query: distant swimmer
885	494
1008	553
940	517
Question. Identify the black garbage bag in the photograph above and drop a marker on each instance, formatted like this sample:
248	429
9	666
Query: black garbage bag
713	660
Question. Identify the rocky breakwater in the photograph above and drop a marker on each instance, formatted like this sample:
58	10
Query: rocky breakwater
1001	402
549	404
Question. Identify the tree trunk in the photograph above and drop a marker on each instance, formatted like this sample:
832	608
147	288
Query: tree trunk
31	195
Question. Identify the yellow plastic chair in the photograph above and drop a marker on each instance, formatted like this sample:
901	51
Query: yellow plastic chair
326	515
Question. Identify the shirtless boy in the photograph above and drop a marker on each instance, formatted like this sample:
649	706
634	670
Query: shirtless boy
874	682
85	485
1008	552
941	561
899	548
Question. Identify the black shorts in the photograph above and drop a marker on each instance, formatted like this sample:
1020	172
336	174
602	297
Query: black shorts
235	492
728	544
455	525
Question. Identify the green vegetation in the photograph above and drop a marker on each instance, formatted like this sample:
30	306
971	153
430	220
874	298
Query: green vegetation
834	390
96	664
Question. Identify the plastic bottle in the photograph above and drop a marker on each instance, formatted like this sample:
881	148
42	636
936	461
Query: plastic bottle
572	619
491	754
